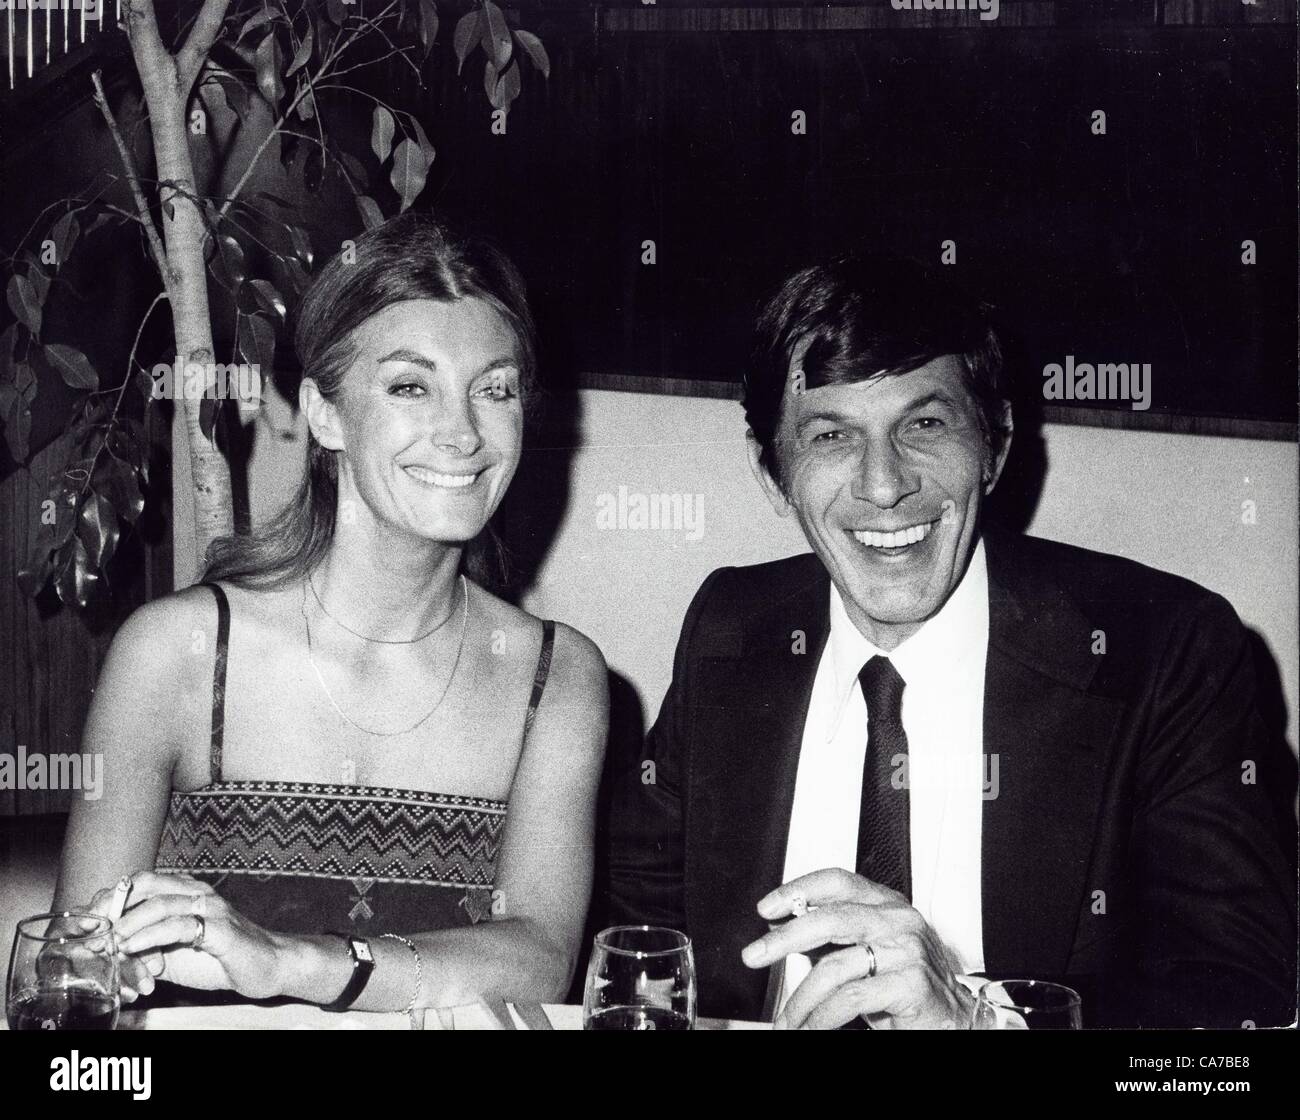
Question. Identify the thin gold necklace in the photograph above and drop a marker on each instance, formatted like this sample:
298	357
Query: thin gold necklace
460	645
366	637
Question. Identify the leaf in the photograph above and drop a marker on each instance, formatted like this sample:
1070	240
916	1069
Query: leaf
8	356
306	109
381	133
302	55
356	171
64	235
425	146
490	78
120	485
465	35
283	203
268	61
497	44
428	24
533	46
298	278
23	302
228	263
38	278
97	529
129	443
36	573
72	365
261	295
18	417
236	93
409	172
509	87
371	216
257	341
98	220
336	10
301	244
255	21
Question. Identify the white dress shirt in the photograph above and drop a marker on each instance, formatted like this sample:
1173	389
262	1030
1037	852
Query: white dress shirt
942	666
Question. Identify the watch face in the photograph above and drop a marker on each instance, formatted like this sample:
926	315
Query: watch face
362	949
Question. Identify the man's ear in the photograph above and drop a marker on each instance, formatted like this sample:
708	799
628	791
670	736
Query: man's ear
322	416
774	493
1002	435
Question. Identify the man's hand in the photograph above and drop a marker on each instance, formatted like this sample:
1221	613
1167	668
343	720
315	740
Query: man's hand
914	983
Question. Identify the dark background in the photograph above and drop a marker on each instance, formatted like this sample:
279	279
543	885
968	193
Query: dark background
1124	247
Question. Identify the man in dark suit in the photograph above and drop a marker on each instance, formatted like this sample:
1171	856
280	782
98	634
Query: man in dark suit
928	753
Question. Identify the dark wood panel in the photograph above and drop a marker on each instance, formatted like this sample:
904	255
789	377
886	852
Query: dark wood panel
50	656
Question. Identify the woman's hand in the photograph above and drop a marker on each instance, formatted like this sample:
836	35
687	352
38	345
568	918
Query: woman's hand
166	916
136	973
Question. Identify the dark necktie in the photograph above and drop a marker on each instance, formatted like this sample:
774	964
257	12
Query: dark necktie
884	842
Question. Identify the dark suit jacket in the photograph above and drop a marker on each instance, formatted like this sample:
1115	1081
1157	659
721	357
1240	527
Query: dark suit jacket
1124	853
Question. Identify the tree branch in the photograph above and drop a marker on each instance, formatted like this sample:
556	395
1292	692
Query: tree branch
156	249
190	59
151	54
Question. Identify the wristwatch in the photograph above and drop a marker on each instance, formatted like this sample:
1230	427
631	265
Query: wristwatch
363	964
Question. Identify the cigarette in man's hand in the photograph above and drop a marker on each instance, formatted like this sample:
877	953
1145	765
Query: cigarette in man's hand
799	907
120	894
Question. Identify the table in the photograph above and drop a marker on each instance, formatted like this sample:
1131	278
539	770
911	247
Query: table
473	1017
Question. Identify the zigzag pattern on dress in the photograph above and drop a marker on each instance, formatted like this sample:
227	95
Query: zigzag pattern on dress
331	831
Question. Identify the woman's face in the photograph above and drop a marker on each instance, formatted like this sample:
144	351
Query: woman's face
429	418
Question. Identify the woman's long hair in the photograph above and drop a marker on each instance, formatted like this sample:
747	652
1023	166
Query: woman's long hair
411	257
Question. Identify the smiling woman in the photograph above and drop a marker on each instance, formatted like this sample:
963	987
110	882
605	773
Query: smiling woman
341	755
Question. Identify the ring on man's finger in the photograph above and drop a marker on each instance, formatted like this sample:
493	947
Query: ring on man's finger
199	933
871	960
198	905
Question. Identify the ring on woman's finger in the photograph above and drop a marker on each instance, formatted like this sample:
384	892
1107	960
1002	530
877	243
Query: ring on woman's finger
198	905
199	933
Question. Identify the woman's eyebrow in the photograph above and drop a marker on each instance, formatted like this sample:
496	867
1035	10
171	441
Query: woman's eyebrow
402	354
414	357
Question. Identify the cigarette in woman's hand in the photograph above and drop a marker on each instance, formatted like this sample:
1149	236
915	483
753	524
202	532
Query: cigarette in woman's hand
120	894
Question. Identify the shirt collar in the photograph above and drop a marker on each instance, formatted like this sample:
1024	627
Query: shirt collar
940	646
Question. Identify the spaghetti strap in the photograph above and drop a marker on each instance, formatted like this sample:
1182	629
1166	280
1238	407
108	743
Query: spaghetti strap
543	669
219	683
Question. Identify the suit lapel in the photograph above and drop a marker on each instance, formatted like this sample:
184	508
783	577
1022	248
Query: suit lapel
1051	741
747	737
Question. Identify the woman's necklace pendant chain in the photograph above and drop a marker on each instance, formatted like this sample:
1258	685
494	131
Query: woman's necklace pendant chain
349	771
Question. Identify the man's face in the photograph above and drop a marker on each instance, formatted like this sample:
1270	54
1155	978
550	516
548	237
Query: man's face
886	478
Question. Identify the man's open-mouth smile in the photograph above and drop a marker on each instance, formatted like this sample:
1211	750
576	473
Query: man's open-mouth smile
894	542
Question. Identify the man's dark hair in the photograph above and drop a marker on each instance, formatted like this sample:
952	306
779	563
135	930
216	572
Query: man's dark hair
865	316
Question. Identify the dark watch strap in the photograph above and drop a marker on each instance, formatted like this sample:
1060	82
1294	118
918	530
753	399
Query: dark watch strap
363	964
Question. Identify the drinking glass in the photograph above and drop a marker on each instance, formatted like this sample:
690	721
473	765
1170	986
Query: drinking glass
63	974
640	978
1026	1005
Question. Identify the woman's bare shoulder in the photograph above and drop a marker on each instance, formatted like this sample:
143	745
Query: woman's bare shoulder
576	660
